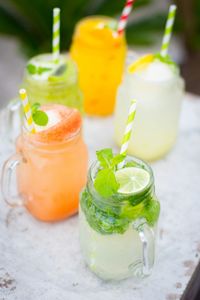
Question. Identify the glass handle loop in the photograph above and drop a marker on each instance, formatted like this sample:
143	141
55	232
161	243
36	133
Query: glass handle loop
8	169
13	112
147	238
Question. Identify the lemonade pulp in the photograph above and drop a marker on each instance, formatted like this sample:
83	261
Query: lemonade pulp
54	166
48	82
100	55
159	93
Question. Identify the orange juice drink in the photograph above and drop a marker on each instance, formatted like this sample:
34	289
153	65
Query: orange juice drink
99	52
53	165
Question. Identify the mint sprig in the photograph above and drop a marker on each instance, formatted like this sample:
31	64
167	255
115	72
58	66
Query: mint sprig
167	60
39	117
105	182
32	69
111	25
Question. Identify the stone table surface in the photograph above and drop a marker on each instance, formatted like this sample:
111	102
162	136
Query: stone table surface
40	261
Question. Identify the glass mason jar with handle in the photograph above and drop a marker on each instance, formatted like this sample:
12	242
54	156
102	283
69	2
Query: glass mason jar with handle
100	56
51	167
48	82
118	234
159	90
45	82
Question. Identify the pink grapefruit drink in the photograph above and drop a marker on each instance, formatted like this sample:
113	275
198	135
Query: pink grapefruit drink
54	165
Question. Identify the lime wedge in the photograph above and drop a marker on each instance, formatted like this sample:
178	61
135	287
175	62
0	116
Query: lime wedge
132	180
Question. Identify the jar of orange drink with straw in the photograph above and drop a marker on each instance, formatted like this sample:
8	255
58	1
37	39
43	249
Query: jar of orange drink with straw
99	49
51	162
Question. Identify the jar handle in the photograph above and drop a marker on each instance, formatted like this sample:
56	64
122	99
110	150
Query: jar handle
13	112
147	238
6	176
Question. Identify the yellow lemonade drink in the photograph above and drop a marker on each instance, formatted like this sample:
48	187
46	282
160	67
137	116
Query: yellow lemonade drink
99	52
53	167
159	90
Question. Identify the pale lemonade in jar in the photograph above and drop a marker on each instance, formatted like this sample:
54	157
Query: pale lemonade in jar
47	81
51	165
159	89
99	52
118	218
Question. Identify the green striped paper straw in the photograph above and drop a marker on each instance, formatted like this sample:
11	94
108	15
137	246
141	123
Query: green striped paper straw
128	130
168	30
56	34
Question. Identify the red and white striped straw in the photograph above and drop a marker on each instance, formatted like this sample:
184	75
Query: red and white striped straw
124	16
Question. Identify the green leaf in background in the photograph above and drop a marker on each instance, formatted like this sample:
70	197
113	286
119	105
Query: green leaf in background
105	183
40	118
42	70
32	69
32	24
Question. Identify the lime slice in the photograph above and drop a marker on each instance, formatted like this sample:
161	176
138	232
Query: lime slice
132	180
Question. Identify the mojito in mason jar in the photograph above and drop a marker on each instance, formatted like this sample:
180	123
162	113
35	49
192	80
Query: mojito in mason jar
47	81
117	233
159	91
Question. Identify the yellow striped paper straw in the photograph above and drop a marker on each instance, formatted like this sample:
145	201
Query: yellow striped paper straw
168	30
128	130
56	34
27	110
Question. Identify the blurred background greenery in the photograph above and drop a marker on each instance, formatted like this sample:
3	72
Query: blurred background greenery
31	23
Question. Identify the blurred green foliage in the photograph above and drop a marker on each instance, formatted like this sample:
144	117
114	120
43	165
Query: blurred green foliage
31	21
197	36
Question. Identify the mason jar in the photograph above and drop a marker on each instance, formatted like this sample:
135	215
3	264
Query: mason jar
118	234
159	102
61	86
51	168
100	56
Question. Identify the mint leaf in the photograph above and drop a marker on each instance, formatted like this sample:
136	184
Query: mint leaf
41	70
152	211
111	25
166	59
130	164
31	69
129	211
117	159
104	157
40	118
35	107
105	183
